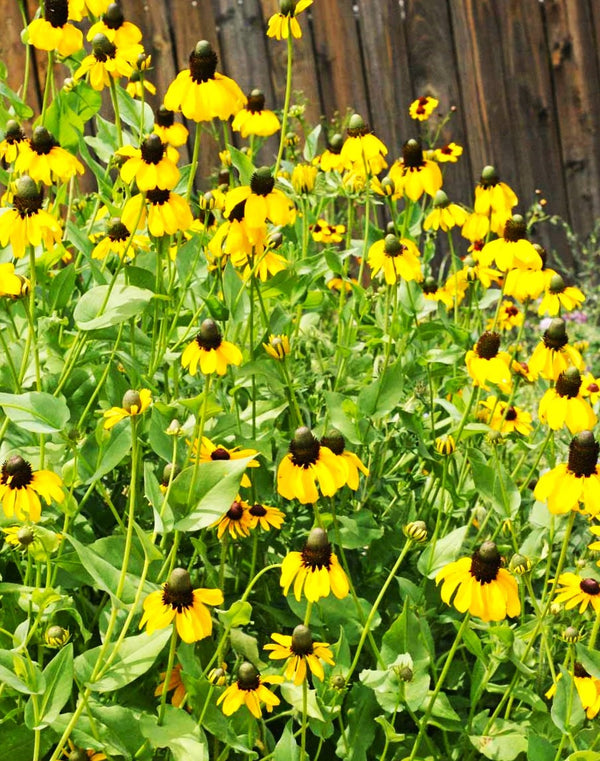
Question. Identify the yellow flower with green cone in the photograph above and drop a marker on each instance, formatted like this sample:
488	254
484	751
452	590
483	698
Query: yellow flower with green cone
26	224
107	62
307	463
362	151
133	403
209	351
283	24
573	590
564	405
43	159
553	355
397	258
254	118
349	462
249	690
414	174
315	570
445	215
263	201
53	32
302	653
559	296
485	363
149	165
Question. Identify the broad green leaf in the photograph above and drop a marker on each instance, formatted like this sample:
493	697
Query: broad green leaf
210	494
310	144
390	733
497	487
504	741
287	748
359	731
589	659
17	742
446	550
358	530
243	164
101	308
136	655
245	645
239	614
13	672
131	111
293	694
36	411
539	749
565	695
59	682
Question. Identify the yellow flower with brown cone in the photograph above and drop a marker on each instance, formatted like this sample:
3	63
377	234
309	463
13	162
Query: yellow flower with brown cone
302	653
133	403
249	690
315	570
210	351
307	463
20	486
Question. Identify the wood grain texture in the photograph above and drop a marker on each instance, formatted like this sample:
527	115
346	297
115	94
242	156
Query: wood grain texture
576	81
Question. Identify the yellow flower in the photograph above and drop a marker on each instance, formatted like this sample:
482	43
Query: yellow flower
307	463
170	132
107	62
80	8
414	174
576	481
559	296
254	118
278	346
508	317
263	201
506	419
513	249
113	26
331	159
316	570
482	587
524	284
476	227
301	651
588	689
20	486
553	354
175	683
494	199
397	258
236	520
473	270
149	165
362	150
167	212
27	224
448	153
265	517
486	363
56	637
284	23
445	215
210	351
45	161
303	178
563	404
590	386
249	690
133	403
433	292
348	462
118	240
23	538
200	92
52	32
422	108
577	591
10	284
323	232
210	452
445	445
177	600
14	140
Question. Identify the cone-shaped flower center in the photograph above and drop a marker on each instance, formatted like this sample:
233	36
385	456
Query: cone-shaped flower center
392	246
556	336
27	199
557	284
256	101
489	177
258	511
130	400
357	126
334	441
209	336
262	182
56	12
164	117
14	133
488	345
16	472
515	229
317	550
220	454
302	641
42	141
335	144
235	512
203	62
287	7
158	197
583	454
25	536
248	677
103	48
178	591
412	154
569	383
485	563
589	586
114	18
304	448
153	149
117	230
511	414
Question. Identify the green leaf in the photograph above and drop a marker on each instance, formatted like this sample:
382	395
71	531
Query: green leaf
99	308
497	487
293	694
311	142
214	489
445	551
36	411
589	659
131	111
359	732
136	655
245	645
389	731
13	672
539	749
566	693
17	742
504	741
59	682
359	530
243	164
239	614
287	747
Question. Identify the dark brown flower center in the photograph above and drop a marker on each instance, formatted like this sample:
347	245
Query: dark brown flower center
153	149
511	414
114	18
203	66
485	569
579	671
42	141
515	229
180	599
304	450
412	154
117	231
209	336
422	104
262	182
511	311
235	512
17	473
220	453
589	586
568	383
488	345
164	117
258	511
302	641
317	556
158	197
26	206
248	677
593	388
556	336
583	454
334	441
56	12
256	102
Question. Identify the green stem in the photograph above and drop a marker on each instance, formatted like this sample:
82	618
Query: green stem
170	663
49	77
304	720
194	164
286	104
115	105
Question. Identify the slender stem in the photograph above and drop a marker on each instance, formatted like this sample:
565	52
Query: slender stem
115	105
49	78
170	662
304	720
194	164
286	104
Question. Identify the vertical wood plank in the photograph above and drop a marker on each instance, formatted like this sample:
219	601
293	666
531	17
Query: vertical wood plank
434	72
577	86
387	71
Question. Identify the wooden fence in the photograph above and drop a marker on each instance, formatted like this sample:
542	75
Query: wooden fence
524	76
